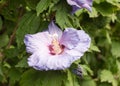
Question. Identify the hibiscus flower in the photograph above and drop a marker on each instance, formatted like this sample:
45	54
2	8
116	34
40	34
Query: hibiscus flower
54	49
78	4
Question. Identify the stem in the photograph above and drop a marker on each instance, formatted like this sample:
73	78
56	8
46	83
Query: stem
12	37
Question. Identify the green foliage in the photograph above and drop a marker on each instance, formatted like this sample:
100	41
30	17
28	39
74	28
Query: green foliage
29	20
106	76
71	80
3	40
87	81
32	4
115	49
14	75
105	8
42	5
100	65
22	63
1	23
63	21
42	78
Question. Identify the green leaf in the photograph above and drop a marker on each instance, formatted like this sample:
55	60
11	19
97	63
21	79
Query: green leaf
14	76
105	8
14	52
42	78
32	3
110	66
53	78
87	81
105	84
42	5
113	17
4	39
74	22
12	10
55	1
108	37
71	80
1	71
1	23
118	63
93	47
62	16
114	2
95	24
118	16
86	70
29	24
99	1
115	48
30	77
94	13
22	63
106	76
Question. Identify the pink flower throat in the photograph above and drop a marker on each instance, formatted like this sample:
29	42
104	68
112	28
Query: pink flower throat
55	47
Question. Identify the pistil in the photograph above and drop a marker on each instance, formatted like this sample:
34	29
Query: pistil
55	47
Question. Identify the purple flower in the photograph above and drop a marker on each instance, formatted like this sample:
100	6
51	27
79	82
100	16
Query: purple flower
78	4
54	49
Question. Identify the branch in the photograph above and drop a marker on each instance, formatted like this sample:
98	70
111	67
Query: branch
12	37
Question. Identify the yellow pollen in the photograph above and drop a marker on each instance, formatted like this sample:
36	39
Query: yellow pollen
56	46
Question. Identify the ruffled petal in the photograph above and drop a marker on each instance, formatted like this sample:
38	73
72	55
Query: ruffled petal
72	2
70	38
59	62
53	29
75	43
80	4
90	2
75	54
84	42
43	61
37	42
87	7
38	60
85	4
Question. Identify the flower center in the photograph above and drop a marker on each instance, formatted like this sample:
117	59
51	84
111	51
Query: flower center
55	47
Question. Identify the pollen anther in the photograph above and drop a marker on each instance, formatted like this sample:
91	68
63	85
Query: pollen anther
55	47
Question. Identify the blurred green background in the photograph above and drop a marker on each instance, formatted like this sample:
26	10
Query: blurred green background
100	65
